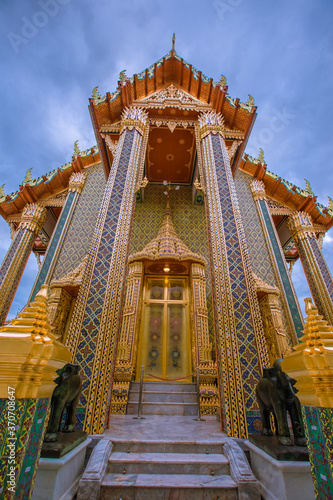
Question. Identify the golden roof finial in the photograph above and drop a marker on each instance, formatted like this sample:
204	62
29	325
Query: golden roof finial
173	41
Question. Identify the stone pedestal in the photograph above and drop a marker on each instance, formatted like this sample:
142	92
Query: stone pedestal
281	479
58	478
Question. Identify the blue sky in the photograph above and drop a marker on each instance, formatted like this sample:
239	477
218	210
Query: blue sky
54	52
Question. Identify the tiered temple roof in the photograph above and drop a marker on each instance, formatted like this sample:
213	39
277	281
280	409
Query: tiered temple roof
171	70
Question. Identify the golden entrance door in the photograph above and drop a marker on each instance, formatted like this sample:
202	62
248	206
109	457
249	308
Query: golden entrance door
164	345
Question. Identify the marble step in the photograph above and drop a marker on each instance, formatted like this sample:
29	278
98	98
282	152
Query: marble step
157	408
164	387
168	486
161	397
168	463
141	446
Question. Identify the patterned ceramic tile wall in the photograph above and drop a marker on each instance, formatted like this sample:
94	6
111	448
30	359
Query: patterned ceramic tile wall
78	238
248	354
319	433
189	221
259	256
253	419
285	278
258	252
31	418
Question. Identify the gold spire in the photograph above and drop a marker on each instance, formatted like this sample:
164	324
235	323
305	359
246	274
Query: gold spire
167	246
173	41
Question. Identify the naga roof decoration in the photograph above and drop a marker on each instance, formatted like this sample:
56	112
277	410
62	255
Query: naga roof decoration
167	246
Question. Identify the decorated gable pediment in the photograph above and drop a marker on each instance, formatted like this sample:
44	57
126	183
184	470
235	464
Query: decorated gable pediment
277	208
173	97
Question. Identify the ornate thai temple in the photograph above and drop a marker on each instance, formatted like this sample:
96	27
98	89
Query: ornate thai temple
164	246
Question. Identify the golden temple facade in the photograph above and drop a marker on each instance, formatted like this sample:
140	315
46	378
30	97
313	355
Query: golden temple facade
167	246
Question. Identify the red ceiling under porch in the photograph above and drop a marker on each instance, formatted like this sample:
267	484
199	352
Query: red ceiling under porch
170	155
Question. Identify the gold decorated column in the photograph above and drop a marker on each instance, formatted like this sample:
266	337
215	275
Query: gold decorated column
240	341
209	399
95	325
127	344
13	265
315	268
200	315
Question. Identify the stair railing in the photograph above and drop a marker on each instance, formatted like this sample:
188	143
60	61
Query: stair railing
198	396
139	416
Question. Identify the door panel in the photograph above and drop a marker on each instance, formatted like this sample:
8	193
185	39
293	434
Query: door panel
177	349
164	345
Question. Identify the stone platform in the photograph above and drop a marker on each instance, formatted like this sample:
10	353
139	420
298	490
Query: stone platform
162	457
281	479
58	478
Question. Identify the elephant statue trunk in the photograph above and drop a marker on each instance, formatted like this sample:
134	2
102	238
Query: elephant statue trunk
276	393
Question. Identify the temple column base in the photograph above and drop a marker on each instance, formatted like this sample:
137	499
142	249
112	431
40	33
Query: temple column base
209	392
120	388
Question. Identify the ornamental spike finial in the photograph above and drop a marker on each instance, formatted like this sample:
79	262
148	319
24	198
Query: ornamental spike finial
2	191
122	76
308	188
76	148
27	177
330	204
173	41
250	101
261	157
223	81
95	94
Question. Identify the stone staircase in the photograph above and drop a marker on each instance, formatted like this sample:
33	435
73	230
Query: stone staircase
167	458
166	471
163	398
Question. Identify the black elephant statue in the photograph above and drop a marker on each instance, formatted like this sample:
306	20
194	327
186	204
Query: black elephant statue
275	393
65	395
